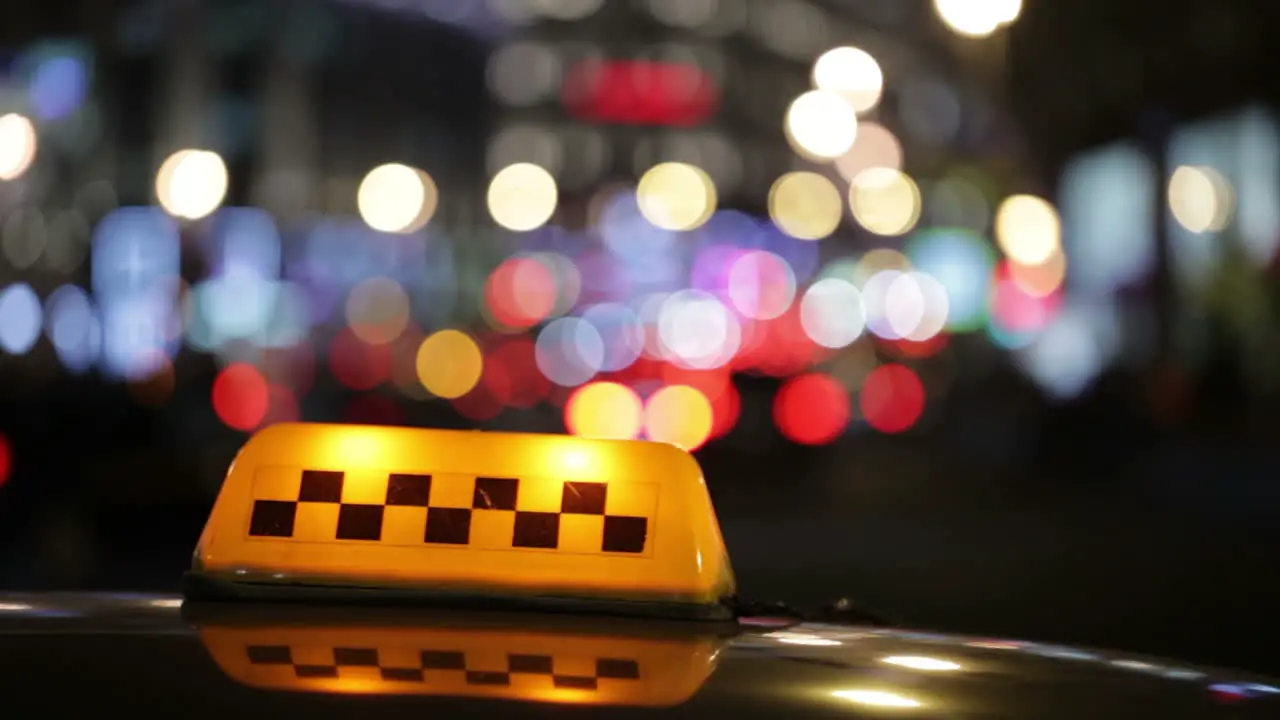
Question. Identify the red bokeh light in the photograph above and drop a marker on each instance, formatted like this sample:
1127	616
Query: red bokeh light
812	409
479	405
640	92
520	293
1016	310
357	364
525	385
726	409
6	460
893	398
241	396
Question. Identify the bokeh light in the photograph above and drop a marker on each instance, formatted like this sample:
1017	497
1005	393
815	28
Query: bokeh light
679	415
241	396
1028	229
876	147
520	293
851	72
522	197
21	317
885	201
812	409
191	184
676	196
605	410
396	198
18	142
977	18
449	363
821	125
6	460
831	313
569	351
377	310
892	398
1201	199
805	205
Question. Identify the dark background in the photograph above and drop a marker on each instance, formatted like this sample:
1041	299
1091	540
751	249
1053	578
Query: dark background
1106	519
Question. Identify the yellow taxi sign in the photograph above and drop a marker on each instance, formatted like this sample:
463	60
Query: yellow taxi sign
508	661
499	514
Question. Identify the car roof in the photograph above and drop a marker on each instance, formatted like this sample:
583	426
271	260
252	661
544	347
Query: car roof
74	652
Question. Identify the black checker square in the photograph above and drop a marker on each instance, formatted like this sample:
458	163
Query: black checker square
360	522
402	674
323	486
575	682
479	677
272	518
617	669
623	534
584	498
443	660
448	526
537	530
270	655
529	664
408	489
315	671
356	657
494	493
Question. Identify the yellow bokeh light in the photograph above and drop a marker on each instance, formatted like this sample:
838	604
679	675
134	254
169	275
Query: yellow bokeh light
821	125
805	205
191	184
885	201
977	18
1043	279
522	197
18	142
1201	198
676	196
1028	229
449	364
605	410
377	310
396	198
851	72
679	415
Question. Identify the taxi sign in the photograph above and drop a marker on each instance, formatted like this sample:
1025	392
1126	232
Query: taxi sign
499	515
510	659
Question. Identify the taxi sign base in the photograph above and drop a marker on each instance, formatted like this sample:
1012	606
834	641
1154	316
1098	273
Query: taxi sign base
202	587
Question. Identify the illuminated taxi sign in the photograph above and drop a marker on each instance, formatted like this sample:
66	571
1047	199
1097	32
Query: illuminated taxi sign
498	513
513	664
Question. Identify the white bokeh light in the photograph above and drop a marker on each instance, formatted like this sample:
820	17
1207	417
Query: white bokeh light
831	313
191	184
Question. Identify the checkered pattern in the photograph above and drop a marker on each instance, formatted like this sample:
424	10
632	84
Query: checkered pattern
452	510
444	667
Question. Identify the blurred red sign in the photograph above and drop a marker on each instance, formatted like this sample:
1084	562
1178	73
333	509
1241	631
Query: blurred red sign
640	92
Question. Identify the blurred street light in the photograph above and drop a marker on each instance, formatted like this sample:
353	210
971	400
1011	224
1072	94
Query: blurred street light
17	146
191	184
977	18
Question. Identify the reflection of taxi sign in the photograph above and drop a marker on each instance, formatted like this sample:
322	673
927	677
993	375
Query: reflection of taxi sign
446	657
497	515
